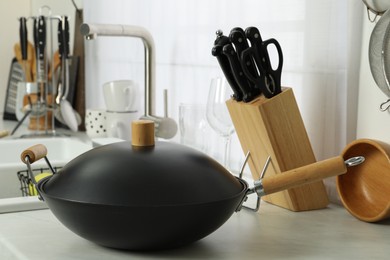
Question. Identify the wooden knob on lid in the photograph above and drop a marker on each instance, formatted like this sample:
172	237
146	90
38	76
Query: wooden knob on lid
142	133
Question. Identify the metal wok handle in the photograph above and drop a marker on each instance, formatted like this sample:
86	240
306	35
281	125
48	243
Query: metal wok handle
31	155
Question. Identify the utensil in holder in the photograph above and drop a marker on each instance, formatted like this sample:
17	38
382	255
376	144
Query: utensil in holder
274	127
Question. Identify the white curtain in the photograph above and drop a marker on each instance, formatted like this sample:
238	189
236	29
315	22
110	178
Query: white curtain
321	41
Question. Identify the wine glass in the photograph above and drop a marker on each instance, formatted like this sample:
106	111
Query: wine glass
192	126
217	114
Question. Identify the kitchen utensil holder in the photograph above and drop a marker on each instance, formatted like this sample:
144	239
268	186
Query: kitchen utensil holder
274	127
44	125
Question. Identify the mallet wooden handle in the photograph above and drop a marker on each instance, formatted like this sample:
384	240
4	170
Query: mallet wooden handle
34	153
304	175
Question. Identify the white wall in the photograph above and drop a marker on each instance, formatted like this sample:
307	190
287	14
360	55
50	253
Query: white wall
185	30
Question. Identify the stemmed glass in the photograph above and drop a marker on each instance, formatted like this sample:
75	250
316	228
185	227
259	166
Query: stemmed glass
217	114
192	125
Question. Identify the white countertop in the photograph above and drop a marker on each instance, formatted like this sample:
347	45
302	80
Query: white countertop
272	233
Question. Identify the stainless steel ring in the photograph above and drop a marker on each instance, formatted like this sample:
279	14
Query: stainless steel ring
354	161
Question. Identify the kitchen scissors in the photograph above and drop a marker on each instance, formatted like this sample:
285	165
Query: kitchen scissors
265	78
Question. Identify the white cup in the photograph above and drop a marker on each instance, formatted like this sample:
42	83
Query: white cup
119	124
96	123
121	96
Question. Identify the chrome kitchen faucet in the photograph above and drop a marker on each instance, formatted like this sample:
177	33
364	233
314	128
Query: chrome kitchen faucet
165	127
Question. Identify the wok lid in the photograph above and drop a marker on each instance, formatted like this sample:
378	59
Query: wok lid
122	174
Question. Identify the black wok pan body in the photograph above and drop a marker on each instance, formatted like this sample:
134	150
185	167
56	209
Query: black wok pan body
157	198
143	228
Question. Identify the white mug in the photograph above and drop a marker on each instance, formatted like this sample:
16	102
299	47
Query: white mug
95	123
119	124
121	96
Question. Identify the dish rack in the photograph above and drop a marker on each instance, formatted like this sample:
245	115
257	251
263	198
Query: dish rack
26	185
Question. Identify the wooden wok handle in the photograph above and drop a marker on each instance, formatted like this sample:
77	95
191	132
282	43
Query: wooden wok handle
303	175
34	153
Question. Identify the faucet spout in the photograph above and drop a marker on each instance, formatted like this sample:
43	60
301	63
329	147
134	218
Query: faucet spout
91	31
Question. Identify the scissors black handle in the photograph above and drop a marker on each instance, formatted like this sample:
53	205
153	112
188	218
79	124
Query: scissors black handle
274	75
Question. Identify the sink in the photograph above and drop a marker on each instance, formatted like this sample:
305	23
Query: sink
60	151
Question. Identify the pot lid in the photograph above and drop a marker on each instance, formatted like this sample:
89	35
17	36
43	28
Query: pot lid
123	174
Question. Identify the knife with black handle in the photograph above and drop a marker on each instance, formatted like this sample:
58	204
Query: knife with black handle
41	40
254	37
224	63
23	37
63	37
63	47
238	39
248	94
23	49
40	44
35	35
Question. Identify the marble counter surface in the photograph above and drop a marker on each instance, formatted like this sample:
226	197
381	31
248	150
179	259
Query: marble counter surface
272	233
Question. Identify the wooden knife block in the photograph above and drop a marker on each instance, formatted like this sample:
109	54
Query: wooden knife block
274	127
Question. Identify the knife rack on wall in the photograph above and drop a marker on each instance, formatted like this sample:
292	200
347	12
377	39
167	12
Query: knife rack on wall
274	127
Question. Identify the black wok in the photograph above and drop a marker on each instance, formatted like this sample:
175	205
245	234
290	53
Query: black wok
147	196
142	227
